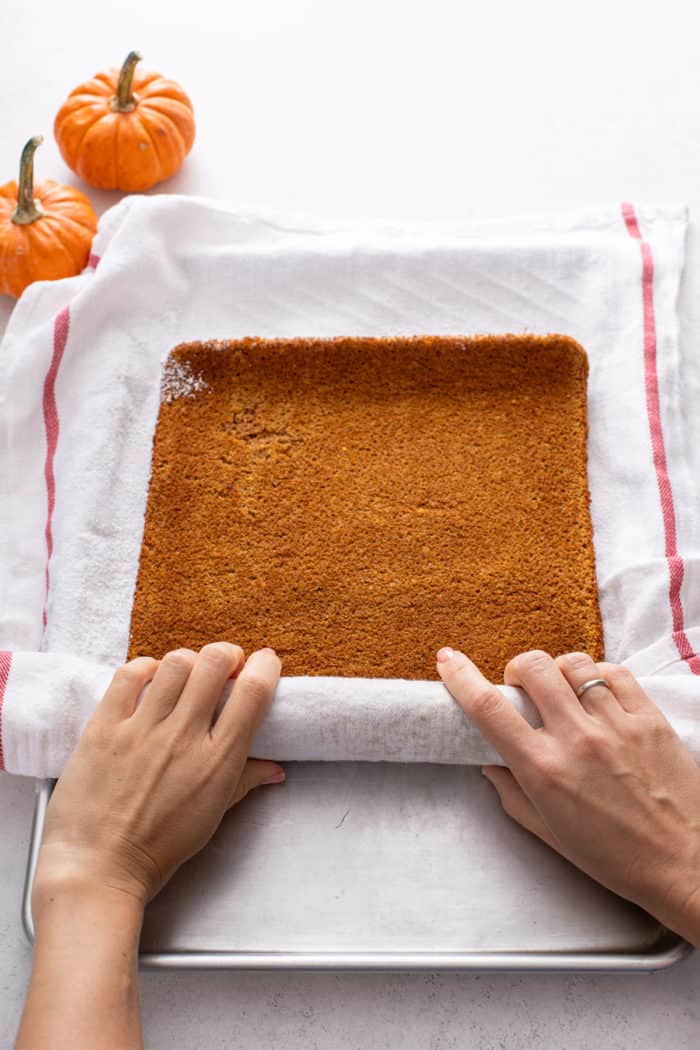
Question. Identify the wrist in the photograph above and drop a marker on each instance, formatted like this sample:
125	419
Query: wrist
678	906
684	916
75	898
67	871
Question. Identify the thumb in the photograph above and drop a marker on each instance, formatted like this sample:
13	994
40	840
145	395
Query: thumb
517	805
257	772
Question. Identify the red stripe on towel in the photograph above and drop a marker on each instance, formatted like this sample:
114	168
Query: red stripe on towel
60	338
93	261
651	384
5	663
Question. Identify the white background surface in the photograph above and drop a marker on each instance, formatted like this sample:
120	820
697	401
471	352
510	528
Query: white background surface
420	110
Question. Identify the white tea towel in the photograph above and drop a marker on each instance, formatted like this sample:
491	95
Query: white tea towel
79	395
312	718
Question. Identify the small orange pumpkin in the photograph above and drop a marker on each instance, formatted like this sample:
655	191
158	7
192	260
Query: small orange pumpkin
45	230
125	130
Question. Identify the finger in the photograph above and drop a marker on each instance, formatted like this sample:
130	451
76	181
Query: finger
125	688
537	673
249	700
599	700
484	704
164	690
516	803
214	665
626	688
257	772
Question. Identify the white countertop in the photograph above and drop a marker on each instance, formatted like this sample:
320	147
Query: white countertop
447	108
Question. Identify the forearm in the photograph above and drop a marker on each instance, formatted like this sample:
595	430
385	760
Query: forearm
84	990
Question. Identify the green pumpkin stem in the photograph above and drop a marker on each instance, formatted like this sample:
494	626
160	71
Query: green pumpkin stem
27	210
124	101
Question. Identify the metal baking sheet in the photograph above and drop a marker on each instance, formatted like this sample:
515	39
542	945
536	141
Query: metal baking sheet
379	866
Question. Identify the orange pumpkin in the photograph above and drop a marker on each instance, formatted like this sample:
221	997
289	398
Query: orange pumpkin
45	230
125	130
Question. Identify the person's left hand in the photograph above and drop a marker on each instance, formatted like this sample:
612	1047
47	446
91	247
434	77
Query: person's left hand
154	773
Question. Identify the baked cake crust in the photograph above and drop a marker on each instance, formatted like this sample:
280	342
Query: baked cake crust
358	502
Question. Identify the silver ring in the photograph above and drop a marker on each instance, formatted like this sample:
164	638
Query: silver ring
589	685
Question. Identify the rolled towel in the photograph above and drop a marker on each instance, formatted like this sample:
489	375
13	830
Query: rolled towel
50	696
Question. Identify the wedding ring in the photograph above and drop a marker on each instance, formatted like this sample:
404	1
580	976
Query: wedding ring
589	685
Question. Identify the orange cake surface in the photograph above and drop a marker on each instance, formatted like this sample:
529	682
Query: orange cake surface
358	502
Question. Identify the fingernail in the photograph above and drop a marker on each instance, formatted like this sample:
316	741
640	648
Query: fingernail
268	649
484	773
445	654
276	778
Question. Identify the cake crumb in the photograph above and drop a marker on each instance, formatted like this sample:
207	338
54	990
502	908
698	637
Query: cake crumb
355	501
180	380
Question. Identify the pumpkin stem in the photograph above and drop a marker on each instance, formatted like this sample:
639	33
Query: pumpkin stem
124	101
27	210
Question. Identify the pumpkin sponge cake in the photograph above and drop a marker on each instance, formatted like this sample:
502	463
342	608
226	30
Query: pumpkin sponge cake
358	502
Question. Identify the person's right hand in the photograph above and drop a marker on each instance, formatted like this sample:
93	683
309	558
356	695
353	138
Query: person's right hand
606	781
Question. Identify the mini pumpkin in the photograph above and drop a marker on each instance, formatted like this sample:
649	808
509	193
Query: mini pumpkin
125	130
45	230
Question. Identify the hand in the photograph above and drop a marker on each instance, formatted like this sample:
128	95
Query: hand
145	788
606	781
154	772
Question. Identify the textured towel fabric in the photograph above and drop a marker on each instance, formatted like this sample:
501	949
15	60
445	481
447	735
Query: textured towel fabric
79	394
313	718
